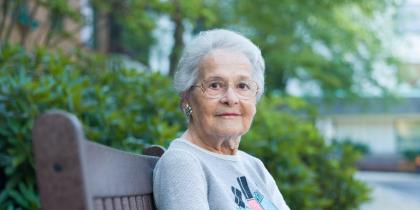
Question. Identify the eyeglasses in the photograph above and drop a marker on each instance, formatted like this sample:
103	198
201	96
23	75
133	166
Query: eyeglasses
217	88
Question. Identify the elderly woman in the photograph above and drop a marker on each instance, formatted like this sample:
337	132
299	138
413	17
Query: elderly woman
220	77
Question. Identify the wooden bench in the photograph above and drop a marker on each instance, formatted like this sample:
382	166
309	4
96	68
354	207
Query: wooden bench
74	173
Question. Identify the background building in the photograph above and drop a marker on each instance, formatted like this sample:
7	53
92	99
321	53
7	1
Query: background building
390	128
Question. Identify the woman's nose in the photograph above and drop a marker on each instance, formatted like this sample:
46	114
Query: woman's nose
230	98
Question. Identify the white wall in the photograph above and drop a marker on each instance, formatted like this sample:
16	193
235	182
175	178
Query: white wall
377	132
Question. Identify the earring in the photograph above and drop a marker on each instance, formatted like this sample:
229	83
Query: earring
187	111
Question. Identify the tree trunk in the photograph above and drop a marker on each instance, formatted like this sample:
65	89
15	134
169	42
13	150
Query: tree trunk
5	5
25	31
12	24
178	41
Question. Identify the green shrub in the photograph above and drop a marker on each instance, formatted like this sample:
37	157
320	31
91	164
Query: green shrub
411	155
310	174
359	147
119	107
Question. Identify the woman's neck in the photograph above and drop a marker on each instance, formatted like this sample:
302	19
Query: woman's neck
217	144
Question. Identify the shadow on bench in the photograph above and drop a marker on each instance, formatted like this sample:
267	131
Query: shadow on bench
74	173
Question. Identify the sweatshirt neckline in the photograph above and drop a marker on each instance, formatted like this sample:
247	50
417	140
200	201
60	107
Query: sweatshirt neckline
202	150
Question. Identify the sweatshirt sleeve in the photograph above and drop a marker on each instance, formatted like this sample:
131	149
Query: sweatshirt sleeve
274	191
179	182
277	196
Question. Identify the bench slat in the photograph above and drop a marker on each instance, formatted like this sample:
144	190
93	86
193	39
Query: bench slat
139	201
109	204
117	203
133	204
125	203
99	204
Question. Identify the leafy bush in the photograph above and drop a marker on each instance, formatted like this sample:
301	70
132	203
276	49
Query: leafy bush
310	174
119	107
128	109
411	154
358	146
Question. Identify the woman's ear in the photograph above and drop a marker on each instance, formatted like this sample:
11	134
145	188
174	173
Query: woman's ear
185	106
185	96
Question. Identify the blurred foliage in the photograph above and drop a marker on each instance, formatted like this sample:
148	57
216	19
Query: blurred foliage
22	16
310	174
411	155
119	107
332	44
358	146
132	23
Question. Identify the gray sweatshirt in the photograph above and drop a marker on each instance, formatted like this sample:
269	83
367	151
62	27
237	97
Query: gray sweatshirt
188	177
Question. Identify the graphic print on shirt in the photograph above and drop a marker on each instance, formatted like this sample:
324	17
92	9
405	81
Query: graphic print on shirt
251	201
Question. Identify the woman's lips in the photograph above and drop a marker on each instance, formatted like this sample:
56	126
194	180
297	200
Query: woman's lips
228	114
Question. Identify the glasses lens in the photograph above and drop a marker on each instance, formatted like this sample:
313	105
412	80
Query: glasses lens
217	88
246	89
214	88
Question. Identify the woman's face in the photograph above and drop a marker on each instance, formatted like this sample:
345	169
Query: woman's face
229	115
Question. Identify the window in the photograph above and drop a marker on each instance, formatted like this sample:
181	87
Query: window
408	134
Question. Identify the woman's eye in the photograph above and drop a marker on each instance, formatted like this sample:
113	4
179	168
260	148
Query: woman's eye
243	86
215	85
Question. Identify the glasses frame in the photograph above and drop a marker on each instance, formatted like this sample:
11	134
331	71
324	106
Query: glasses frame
203	89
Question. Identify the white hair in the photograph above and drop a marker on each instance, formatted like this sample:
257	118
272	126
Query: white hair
187	71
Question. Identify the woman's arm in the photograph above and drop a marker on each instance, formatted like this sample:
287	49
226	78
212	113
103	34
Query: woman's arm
179	182
275	192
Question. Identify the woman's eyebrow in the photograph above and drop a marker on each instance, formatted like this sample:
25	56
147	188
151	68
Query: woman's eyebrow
241	77
214	78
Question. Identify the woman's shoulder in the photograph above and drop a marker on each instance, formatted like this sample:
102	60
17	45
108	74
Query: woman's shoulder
175	162
178	173
250	158
177	157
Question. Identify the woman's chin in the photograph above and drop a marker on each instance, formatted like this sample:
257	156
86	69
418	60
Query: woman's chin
230	132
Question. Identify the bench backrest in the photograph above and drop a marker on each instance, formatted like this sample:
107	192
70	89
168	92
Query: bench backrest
74	173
